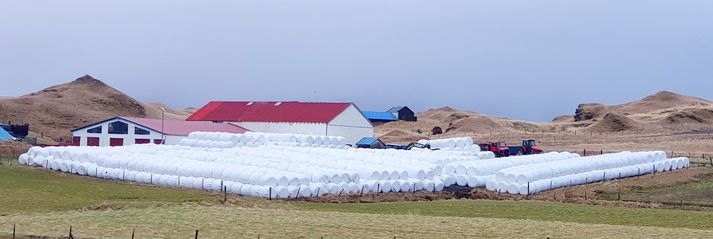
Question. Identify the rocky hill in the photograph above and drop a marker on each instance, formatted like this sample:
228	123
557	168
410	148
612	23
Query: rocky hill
54	111
663	111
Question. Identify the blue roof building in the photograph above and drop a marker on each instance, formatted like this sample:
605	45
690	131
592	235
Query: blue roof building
379	117
370	143
4	135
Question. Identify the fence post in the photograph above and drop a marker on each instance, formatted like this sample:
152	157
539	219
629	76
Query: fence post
269	197
196	234
133	232
362	191
225	194
584	152
13	230
298	192
70	233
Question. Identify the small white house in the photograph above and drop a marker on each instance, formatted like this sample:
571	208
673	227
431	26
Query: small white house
329	119
119	131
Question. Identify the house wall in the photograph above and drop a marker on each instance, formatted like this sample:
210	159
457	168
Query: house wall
406	114
350	124
129	138
285	127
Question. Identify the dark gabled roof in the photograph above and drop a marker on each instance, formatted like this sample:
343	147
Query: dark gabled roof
395	109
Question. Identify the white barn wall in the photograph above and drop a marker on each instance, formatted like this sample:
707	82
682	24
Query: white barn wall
285	127
350	124
104	137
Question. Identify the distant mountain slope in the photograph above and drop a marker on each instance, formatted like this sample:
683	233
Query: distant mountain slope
56	110
663	111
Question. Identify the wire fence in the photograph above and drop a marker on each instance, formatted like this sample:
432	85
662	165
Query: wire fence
72	233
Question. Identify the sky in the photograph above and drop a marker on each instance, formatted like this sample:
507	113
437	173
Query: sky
530	60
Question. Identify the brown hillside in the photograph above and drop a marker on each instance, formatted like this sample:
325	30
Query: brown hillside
58	109
692	117
613	122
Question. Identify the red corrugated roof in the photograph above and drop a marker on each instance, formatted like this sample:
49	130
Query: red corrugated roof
292	111
179	127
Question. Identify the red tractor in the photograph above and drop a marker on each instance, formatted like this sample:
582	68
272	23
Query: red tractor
500	149
528	147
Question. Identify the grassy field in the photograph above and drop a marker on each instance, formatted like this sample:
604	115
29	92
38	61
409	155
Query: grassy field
47	203
24	189
699	192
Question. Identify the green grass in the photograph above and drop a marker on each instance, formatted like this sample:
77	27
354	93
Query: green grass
532	210
181	221
25	189
689	193
46	203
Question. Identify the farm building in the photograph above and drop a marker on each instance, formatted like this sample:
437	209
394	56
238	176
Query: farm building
330	119
403	113
120	131
4	135
379	117
370	143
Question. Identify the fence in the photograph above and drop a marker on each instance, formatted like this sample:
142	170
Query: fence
700	159
70	234
9	158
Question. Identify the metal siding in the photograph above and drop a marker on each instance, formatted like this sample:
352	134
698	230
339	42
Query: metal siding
291	111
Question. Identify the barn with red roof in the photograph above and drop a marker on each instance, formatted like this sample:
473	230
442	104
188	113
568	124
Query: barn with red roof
313	118
119	131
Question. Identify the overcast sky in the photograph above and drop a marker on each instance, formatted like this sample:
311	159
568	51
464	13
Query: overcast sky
526	59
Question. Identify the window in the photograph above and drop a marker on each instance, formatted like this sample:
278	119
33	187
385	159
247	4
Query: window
140	131
92	141
76	141
157	141
118	127
116	142
142	141
95	130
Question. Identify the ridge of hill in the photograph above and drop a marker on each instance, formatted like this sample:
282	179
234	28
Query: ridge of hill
54	111
663	111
